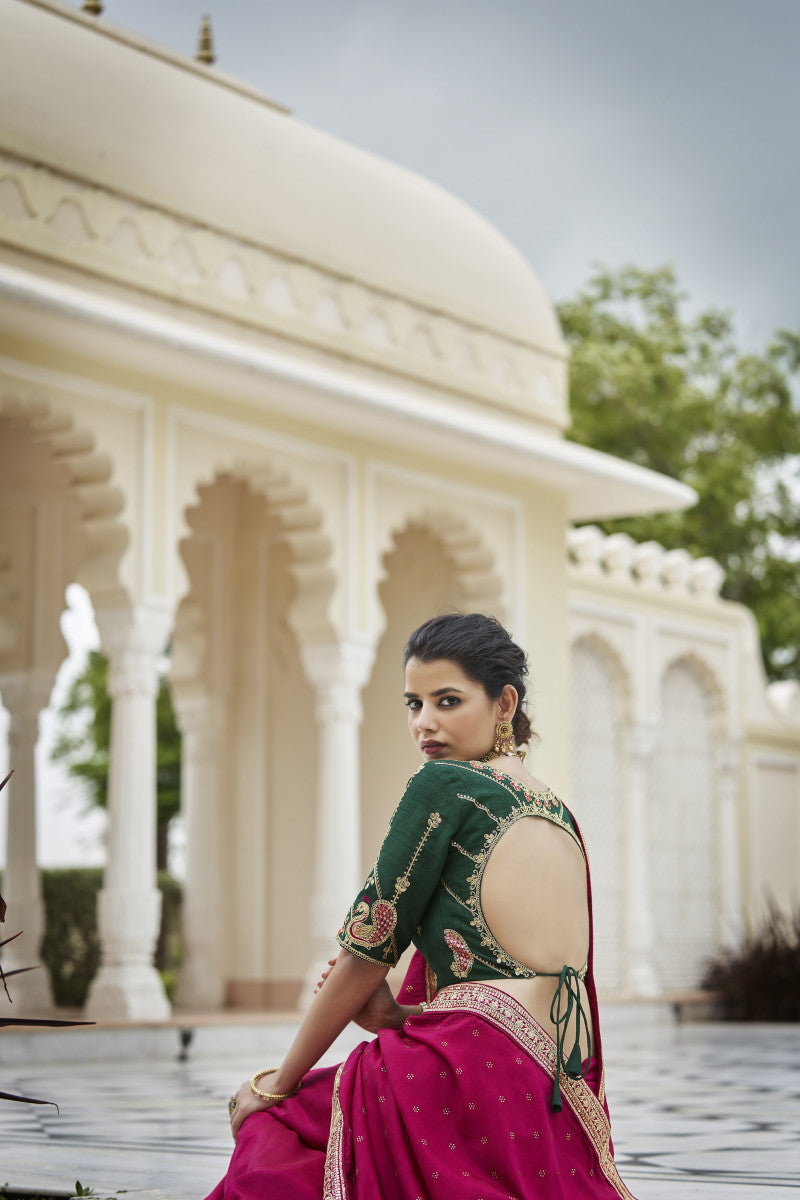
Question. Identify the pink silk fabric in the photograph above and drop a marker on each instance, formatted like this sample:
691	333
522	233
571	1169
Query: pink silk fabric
454	1105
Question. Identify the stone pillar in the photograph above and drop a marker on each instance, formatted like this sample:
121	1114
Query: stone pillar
731	911
201	721
338	672
129	906
25	694
642	973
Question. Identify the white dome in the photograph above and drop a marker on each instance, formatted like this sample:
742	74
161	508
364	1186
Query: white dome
166	132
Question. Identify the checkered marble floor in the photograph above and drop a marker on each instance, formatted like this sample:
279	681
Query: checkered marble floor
698	1110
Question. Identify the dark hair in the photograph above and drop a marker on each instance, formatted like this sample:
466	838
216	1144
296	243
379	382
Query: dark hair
484	651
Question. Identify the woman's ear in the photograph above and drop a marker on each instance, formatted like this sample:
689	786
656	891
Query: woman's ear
507	703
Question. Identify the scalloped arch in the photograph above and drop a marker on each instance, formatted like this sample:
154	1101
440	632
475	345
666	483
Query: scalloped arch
595	641
480	588
706	675
301	524
88	478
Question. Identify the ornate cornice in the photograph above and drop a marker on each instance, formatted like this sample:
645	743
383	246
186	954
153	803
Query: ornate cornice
147	248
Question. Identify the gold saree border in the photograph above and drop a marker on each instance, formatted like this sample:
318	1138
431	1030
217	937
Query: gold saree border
334	1186
507	1014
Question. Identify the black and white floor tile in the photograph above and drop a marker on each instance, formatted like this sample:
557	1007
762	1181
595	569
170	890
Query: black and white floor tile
698	1110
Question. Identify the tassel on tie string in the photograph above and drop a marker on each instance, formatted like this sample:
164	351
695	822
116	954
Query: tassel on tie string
572	1065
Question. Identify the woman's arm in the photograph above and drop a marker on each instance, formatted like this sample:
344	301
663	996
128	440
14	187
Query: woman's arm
347	990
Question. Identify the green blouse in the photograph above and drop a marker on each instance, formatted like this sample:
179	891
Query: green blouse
426	884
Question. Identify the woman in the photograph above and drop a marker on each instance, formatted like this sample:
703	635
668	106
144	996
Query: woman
485	1080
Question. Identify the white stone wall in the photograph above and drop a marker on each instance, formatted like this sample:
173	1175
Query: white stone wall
686	765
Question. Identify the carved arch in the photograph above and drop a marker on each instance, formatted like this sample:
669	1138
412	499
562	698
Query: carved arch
594	640
90	515
301	527
479	587
709	680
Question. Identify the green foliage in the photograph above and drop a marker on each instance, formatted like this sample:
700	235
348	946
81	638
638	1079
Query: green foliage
71	946
85	737
675	394
759	982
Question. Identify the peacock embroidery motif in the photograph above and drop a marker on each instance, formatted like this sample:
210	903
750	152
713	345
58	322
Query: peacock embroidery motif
372	925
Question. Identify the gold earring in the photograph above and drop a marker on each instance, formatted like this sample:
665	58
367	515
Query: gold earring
504	738
503	741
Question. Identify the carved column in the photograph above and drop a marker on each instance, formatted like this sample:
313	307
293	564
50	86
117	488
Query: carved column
201	721
25	694
642	973
338	672
129	906
731	914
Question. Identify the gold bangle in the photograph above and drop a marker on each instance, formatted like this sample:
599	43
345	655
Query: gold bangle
270	1095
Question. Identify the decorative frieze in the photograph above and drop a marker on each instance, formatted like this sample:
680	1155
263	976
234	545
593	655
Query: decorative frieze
108	234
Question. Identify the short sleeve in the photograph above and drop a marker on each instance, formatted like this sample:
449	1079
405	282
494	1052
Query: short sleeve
387	911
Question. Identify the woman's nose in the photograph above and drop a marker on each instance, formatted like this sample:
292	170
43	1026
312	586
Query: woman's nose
426	717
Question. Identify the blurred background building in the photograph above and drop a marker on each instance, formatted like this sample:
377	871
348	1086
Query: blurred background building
273	401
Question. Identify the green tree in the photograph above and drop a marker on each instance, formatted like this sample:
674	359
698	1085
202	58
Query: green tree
651	385
85	737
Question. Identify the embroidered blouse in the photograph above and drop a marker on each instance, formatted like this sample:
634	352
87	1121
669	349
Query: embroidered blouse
425	887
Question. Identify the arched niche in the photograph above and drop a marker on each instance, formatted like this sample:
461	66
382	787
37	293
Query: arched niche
600	706
252	550
683	825
435	563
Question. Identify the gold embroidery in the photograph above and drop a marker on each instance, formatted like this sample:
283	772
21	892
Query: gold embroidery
474	857
462	958
451	893
526	802
431	985
334	1184
384	919
358	931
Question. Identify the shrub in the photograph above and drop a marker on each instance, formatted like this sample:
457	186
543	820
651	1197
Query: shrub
760	982
71	945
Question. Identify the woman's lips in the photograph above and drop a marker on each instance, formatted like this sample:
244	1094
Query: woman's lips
432	747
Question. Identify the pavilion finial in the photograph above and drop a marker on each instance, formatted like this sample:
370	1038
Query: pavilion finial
93	7
205	46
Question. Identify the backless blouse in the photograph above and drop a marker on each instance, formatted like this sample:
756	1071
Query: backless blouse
426	884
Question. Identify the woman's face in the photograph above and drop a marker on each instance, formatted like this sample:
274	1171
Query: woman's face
450	715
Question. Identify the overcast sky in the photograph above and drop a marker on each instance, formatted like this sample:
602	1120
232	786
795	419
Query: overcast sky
617	131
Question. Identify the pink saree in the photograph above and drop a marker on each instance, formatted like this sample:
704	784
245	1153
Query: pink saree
456	1104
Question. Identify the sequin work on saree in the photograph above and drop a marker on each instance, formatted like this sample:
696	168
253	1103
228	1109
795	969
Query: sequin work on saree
448	1108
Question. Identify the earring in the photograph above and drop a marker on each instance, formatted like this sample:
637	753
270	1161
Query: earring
503	741
504	738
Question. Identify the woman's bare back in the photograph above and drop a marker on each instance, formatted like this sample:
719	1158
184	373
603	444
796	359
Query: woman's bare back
535	902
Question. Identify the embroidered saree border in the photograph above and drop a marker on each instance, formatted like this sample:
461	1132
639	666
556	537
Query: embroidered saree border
513	1019
506	1014
334	1185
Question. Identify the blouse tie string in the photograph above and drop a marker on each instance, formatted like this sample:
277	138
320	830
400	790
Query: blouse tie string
566	1001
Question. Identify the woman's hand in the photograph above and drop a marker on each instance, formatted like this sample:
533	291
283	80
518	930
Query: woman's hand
381	1011
246	1103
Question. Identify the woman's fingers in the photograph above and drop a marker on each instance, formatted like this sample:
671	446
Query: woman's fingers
325	974
246	1103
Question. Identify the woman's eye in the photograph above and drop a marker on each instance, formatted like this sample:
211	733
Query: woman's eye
414	704
450	701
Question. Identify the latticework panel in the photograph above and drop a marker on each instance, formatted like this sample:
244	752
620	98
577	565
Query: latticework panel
599	802
683	834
